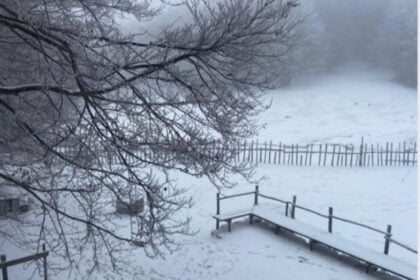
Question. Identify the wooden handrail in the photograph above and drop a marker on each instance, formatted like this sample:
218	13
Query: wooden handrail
24	259
324	216
311	211
273	198
236	195
360	224
403	245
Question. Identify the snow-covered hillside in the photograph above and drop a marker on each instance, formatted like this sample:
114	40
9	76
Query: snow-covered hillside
339	108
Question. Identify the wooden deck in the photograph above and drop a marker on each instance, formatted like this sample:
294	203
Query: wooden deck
315	235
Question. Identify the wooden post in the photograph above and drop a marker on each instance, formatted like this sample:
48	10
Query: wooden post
392	151
361	153
297	154
345	155
269	153
293	207
414	153
382	152
399	153
45	263
265	152
333	154
279	154
387	239
244	155
292	155
310	155
284	154
257	152
325	154
4	270
330	219
386	154
365	155
306	155
320	152
351	157
404	157
275	157
217	208
372	155
256	195
338	156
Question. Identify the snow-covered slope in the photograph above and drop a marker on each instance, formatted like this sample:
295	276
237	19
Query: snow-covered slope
341	108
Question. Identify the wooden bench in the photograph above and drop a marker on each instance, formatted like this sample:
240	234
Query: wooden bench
315	235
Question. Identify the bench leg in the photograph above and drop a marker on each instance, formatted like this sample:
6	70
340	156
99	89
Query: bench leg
311	244
277	230
368	267
250	219
217	224
229	225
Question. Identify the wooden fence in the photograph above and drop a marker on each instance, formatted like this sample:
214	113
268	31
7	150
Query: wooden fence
330	154
390	154
4	264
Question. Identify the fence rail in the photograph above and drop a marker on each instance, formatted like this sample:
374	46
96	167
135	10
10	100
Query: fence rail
4	263
293	206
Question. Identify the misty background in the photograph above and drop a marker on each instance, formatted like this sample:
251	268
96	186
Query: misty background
378	35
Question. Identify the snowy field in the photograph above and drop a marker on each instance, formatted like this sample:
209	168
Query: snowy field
338	108
341	108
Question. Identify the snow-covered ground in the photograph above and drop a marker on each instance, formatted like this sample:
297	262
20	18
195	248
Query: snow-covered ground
341	108
374	196
337	108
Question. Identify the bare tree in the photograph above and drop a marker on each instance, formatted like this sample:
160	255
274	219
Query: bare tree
92	116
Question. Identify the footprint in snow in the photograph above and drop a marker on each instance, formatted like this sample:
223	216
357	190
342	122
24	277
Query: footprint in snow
302	259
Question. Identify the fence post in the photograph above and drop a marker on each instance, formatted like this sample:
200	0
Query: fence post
387	239
45	263
293	207
330	219
361	153
256	195
4	269
217	208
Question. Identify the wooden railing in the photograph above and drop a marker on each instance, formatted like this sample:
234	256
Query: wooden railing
292	206
4	264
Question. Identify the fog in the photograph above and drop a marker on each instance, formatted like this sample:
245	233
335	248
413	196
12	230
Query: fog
380	34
